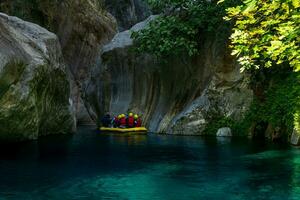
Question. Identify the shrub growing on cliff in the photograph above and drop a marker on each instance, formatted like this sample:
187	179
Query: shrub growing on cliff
280	103
220	121
266	33
180	27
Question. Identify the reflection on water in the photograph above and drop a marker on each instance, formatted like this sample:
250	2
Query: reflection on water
295	177
89	165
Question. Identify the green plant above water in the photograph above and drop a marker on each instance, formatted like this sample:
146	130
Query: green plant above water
266	33
181	26
265	40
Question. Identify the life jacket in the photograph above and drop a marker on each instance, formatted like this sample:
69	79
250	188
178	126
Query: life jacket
123	121
138	122
130	121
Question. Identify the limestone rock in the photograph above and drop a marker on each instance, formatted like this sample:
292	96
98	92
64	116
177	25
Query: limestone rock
123	39
34	86
224	132
227	94
295	138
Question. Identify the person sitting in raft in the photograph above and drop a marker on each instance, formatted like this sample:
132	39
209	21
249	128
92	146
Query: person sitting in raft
115	122
137	121
122	121
106	120
130	120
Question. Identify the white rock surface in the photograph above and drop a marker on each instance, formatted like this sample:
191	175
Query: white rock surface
224	132
295	138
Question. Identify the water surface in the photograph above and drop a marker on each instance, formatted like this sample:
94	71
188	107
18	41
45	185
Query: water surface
89	165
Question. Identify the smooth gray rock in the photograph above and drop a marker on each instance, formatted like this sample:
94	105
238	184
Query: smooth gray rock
295	138
224	132
34	84
123	39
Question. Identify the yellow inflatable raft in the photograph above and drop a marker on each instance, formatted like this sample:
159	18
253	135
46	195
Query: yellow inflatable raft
124	130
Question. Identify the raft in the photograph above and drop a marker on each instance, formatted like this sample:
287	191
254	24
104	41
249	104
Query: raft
124	130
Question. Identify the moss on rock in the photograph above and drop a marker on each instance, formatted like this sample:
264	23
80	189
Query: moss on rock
34	86
50	89
44	109
17	112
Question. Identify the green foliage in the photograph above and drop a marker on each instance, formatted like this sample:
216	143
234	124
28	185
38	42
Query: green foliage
238	128
279	106
266	33
218	122
178	30
265	38
50	89
281	102
297	121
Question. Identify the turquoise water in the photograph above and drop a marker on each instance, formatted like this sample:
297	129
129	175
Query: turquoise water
89	165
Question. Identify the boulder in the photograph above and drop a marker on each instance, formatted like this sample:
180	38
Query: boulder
82	28
34	83
295	138
224	132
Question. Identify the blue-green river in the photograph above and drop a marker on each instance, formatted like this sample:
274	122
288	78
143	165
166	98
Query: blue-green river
91	166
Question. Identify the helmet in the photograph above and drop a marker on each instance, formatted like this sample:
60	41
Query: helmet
123	115
119	116
136	116
130	114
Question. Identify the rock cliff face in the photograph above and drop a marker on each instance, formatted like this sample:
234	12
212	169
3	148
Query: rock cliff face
34	86
82	29
128	12
176	97
226	94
